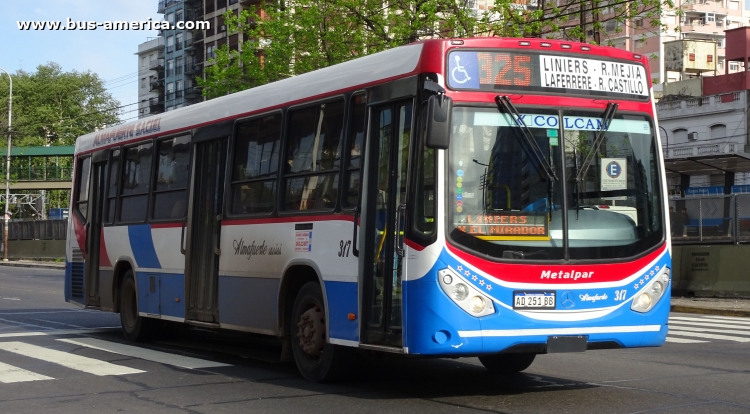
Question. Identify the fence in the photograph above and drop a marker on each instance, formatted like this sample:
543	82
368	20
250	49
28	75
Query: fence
715	218
54	229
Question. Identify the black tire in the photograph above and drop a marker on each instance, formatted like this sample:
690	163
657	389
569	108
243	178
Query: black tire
507	363
316	359
134	327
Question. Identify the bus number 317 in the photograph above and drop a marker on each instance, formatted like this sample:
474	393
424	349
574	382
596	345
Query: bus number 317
344	247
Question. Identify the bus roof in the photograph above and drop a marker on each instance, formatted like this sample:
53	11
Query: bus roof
393	63
351	75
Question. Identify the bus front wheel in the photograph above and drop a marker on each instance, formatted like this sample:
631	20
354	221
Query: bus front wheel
134	327
316	359
507	363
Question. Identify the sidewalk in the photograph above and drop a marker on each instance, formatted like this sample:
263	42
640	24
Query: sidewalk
708	306
32	263
712	306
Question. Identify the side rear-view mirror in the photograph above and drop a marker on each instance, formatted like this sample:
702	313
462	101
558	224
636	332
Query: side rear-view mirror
438	122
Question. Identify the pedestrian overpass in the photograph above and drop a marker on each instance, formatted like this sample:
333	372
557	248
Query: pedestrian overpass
39	168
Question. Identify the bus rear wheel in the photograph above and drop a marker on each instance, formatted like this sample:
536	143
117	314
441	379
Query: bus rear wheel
316	359
134	327
507	363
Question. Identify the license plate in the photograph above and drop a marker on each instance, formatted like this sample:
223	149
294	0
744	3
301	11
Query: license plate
533	300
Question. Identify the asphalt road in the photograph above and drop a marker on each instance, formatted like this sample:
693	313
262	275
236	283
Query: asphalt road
56	358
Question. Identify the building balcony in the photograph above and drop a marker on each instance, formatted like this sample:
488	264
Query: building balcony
156	105
163	4
698	26
156	85
193	70
193	93
156	64
705	6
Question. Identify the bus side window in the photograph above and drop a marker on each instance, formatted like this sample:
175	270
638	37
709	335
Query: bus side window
82	196
136	176
358	113
314	157
171	178
424	213
114	163
255	165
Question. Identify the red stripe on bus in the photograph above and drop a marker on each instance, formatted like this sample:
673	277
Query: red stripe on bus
414	245
103	255
531	273
80	233
289	219
166	225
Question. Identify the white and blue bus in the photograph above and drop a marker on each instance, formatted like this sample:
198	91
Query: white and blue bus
491	198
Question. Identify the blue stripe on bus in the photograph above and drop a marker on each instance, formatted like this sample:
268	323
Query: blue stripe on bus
143	246
342	300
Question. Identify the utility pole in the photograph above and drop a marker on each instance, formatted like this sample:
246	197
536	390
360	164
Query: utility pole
7	170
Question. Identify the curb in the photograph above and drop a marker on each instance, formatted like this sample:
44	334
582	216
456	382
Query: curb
31	264
710	311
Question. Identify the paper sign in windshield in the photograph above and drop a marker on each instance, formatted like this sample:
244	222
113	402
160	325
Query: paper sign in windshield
614	174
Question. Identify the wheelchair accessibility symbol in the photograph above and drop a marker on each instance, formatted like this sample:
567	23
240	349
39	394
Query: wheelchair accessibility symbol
458	69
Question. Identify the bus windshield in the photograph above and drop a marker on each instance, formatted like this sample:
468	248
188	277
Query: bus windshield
503	204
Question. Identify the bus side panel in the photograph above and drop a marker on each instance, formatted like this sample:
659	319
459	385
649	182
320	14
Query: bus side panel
342	301
256	255
249	302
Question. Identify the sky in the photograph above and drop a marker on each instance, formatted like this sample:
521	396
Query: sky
109	54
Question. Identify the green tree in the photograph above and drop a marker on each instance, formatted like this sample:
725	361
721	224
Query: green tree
52	107
283	39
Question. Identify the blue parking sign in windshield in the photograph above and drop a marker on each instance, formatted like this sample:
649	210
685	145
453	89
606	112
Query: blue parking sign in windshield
463	70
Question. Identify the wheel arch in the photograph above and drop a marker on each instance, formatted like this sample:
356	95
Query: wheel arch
122	266
296	275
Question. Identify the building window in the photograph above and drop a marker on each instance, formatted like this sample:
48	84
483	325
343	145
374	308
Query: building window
143	83
178	17
718	131
170	67
210	51
178	66
170	44
680	135
170	17
178	41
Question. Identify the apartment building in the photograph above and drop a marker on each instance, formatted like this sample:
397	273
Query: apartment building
150	77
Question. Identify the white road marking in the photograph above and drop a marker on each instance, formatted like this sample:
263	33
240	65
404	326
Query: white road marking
68	360
745	329
684	341
142	353
59	332
694	329
707	336
9	373
718	319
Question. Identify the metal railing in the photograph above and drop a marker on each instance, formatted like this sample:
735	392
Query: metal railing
33	173
715	218
53	229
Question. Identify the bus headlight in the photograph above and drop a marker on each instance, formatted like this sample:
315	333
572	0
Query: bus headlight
477	304
460	292
464	294
650	294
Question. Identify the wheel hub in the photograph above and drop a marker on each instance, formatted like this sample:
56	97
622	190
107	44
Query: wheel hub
311	332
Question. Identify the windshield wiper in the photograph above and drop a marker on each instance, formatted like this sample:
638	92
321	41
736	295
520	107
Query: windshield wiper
607	117
507	105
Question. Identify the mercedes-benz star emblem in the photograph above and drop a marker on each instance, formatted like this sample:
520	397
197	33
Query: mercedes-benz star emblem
568	299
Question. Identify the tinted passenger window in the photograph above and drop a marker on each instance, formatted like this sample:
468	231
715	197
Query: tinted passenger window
136	175
82	197
358	113
255	165
171	177
314	157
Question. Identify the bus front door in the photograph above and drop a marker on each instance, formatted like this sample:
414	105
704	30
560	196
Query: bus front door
93	226
384	212
203	231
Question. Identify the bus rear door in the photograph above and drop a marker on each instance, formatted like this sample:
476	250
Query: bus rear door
93	227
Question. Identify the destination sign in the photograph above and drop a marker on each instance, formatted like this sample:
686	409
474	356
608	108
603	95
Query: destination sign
526	71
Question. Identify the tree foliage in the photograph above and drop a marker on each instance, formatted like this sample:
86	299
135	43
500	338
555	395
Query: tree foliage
52	107
293	37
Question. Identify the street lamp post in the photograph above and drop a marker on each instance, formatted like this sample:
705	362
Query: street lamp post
666	135
7	170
